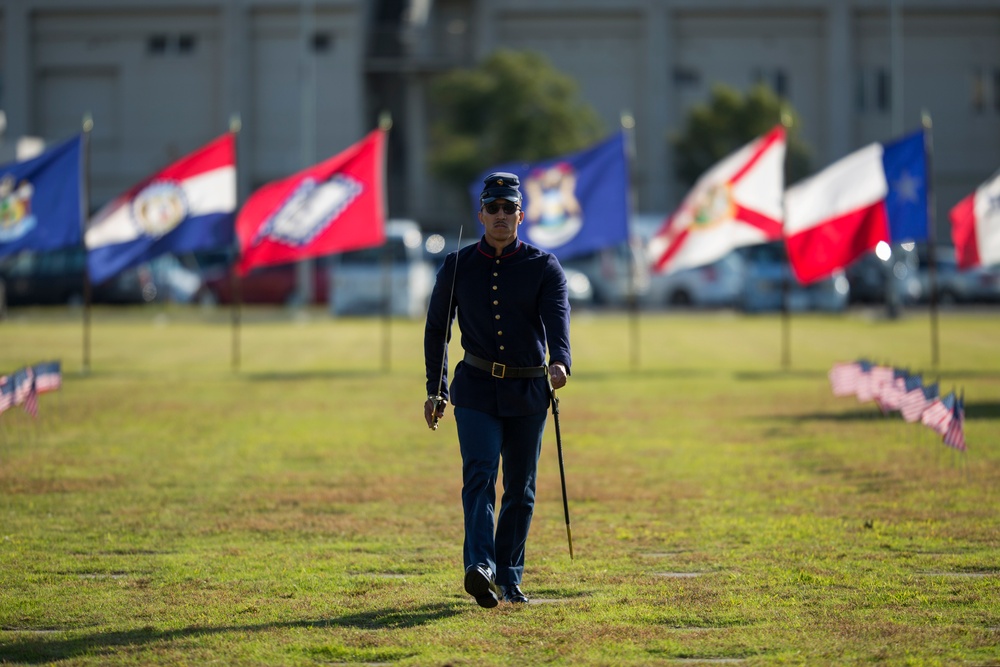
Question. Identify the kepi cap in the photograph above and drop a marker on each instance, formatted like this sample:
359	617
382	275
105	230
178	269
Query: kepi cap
500	185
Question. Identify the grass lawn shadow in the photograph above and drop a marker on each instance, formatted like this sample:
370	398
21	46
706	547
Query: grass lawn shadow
317	374
973	410
37	649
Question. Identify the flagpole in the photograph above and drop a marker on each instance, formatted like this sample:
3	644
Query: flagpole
88	125
385	124
235	125
628	127
786	318
931	255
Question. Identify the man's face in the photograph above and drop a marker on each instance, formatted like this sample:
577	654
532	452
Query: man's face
500	219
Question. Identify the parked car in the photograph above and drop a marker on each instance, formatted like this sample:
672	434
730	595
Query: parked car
437	247
277	285
869	275
57	277
615	273
980	284
767	274
715	285
394	277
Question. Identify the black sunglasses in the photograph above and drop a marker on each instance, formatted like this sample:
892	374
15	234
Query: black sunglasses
493	208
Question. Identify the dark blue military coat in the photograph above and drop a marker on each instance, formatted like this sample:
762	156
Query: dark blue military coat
509	308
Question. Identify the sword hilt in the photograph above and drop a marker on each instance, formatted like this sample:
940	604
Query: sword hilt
435	402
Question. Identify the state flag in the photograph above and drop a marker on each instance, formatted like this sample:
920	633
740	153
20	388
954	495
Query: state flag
975	226
187	206
877	193
41	200
573	204
334	206
735	203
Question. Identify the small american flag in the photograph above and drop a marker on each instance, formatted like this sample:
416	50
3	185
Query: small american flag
22	385
48	376
31	399
892	391
938	415
844	378
862	389
916	399
6	393
954	436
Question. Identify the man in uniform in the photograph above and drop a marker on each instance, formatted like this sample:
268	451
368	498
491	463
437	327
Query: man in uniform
512	304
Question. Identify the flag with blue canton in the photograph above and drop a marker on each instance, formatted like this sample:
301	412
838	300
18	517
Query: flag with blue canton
954	435
6	393
40	200
905	164
48	376
573	204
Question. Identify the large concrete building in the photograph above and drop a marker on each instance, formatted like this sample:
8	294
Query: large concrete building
309	77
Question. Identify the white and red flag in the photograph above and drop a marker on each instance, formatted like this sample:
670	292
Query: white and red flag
975	226
735	203
334	206
187	206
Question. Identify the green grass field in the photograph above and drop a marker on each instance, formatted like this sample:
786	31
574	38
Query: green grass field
164	509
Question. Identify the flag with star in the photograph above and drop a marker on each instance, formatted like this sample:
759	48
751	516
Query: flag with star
877	193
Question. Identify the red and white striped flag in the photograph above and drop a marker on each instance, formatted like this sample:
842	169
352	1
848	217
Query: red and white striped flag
954	435
844	378
892	392
938	415
31	400
6	393
916	399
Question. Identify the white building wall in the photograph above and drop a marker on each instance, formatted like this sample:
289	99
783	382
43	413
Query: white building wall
655	58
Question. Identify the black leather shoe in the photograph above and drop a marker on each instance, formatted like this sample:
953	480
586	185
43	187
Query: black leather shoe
480	585
513	593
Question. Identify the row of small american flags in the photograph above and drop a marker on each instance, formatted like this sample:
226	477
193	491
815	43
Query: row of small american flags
23	386
897	390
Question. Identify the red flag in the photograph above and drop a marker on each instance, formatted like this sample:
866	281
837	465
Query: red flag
975	226
334	206
735	203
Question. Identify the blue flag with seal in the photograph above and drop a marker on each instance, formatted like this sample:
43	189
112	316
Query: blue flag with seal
573	204
40	200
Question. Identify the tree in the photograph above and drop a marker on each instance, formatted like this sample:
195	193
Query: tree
731	120
513	107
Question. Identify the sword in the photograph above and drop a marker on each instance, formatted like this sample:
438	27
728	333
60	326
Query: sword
437	399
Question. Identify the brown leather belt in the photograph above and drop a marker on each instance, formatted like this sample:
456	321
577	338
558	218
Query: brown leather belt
503	371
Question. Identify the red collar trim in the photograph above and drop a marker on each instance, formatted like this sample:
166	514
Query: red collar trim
489	251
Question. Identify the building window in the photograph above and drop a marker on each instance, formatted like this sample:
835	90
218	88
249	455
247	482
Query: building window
986	90
873	90
186	43
686	76
156	44
321	42
996	90
774	78
161	44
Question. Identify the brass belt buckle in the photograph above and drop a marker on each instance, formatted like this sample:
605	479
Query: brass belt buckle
502	367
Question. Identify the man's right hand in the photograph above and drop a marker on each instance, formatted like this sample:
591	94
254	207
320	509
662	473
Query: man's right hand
434	411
